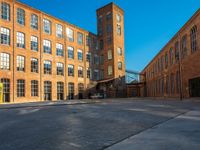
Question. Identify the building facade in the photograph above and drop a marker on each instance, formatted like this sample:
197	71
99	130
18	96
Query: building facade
44	58
175	70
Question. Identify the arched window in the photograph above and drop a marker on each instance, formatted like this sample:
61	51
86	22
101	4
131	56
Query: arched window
193	38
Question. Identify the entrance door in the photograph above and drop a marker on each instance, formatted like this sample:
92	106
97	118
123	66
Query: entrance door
194	87
6	89
47	91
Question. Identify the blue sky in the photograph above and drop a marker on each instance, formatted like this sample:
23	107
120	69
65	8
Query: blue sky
149	24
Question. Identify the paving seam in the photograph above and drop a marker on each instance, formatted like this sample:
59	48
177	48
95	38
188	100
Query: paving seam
106	147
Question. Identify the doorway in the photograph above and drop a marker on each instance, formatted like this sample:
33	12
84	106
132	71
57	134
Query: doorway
194	87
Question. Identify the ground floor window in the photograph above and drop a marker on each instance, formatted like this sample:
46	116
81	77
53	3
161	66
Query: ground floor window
20	88
6	89
34	88
60	90
80	90
70	90
47	91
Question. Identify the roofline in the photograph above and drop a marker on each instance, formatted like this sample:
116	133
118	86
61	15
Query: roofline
182	28
51	16
113	4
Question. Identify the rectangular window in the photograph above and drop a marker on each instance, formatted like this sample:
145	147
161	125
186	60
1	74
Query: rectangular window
110	70
119	30
119	51
80	38
34	65
70	35
80	55
109	28
5	11
59	49
88	57
88	73
88	41
20	88
34	21
34	88
118	17
34	43
5	36
70	70
120	65
101	44
70	52
109	54
184	46
20	63
20	16
101	59
59	31
108	16
47	67
80	72
47	46
47	26
101	74
5	61
20	40
60	69
60	90
96	74
96	59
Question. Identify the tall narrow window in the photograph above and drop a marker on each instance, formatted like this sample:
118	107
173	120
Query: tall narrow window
119	51
118	17
20	88
177	82
177	51
120	65
59	49
60	91
101	44
47	46
119	32
59	31
20	16
109	54
184	46
96	74
34	65
80	72
88	57
34	21
47	90
80	55
47	67
70	90
88	41
172	84
5	36
20	63
34	43
5	11
5	61
60	69
193	38
108	16
109	28
20	40
6	89
96	59
166	60
110	70
47	26
70	52
80	38
70	70
70	35
34	88
88	73
171	55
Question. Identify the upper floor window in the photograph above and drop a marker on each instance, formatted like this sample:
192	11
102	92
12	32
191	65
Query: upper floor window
70	52
80	55
20	40
47	46
119	51
20	63
166	60
47	67
88	73
120	65
70	70
80	72
60	69
70	35
184	46
88	41
20	88
119	29
59	31
193	38
5	36
34	65
109	54
96	59
108	28
34	21
118	17
177	51
96	74
5	11
34	43
59	49
171	55
100	20
101	45
20	16
80	38
101	59
5	61
47	26
110	70
88	57
100	31
108	16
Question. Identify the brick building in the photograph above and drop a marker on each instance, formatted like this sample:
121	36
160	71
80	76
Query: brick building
44	58
175	70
